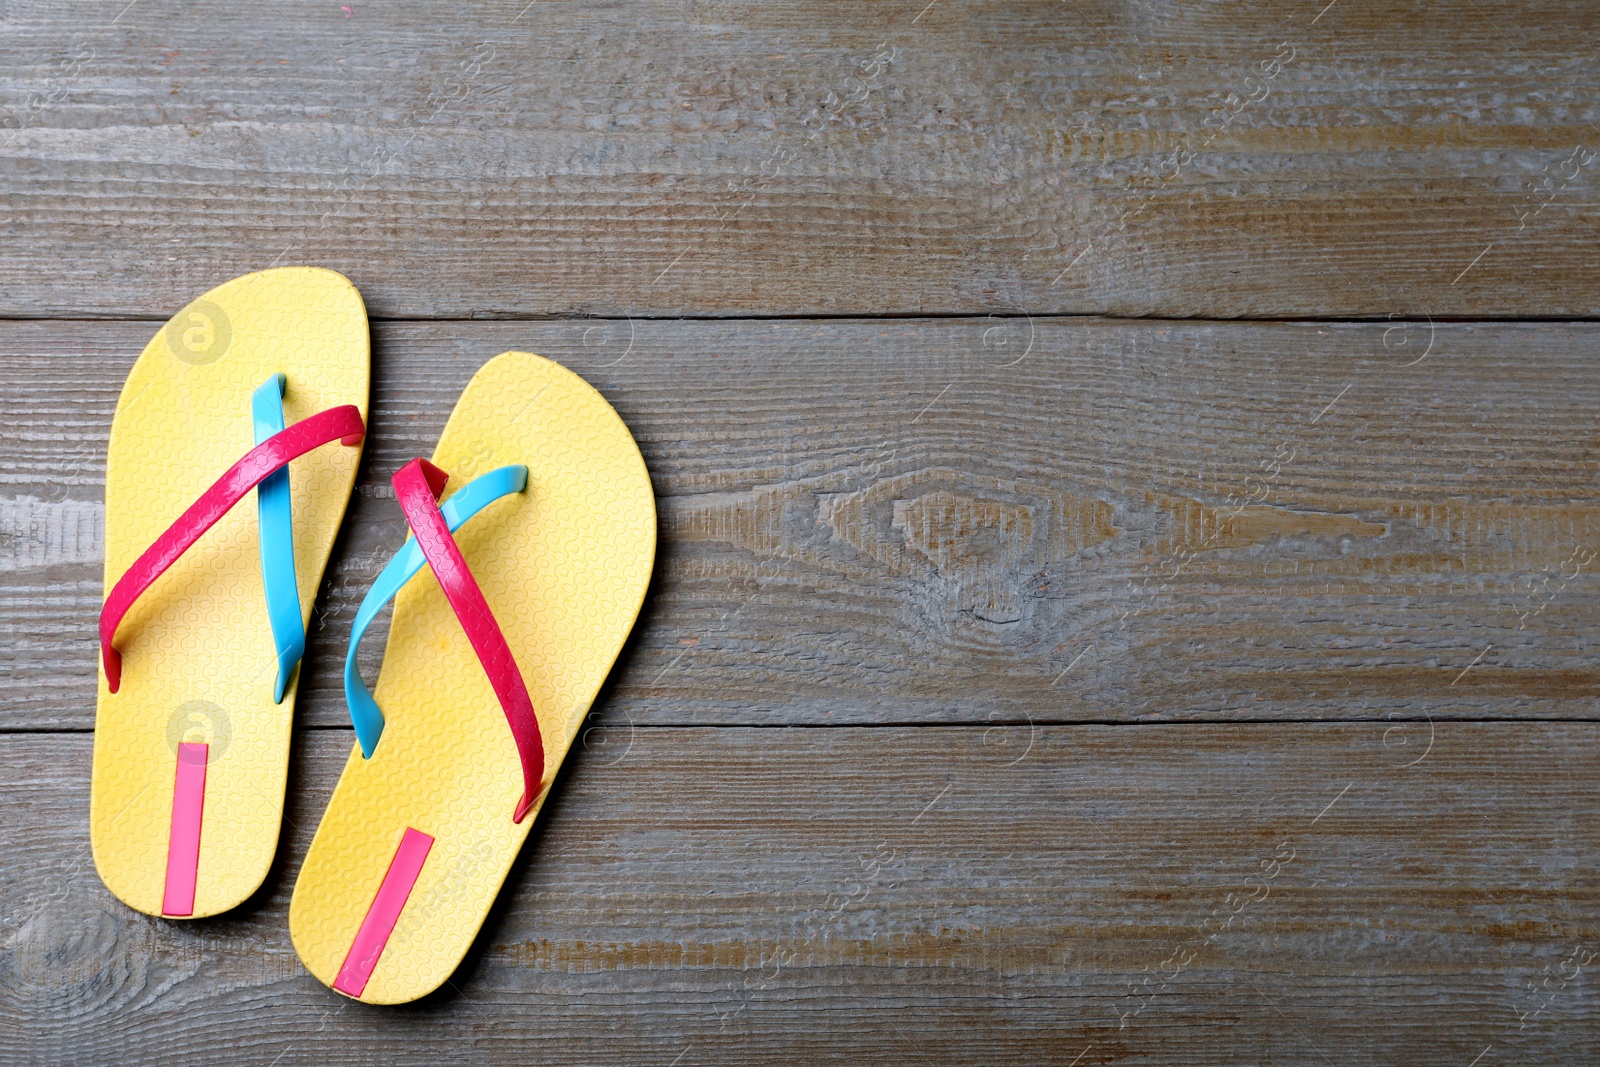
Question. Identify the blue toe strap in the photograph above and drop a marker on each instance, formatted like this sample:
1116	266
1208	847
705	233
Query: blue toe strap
277	540
462	505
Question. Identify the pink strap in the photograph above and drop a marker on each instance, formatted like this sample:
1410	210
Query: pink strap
342	423
417	486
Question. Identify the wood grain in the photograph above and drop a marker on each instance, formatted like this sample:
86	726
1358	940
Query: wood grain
940	894
1167	159
971	519
973	716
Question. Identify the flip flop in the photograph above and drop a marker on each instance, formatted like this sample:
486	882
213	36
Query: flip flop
207	602
519	621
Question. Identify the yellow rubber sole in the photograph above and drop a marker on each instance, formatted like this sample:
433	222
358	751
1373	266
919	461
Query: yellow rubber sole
564	567
198	656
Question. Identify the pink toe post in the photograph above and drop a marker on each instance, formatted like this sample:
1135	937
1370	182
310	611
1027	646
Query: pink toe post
373	936
183	839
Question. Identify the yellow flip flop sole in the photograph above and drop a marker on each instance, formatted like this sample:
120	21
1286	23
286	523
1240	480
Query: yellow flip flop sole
198	655
563	566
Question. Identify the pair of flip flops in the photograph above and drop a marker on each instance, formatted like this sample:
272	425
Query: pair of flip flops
512	600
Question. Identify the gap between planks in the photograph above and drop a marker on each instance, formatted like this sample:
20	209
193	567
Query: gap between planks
997	313
987	724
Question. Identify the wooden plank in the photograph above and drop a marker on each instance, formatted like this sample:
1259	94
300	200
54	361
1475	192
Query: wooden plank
944	895
1233	159
1128	521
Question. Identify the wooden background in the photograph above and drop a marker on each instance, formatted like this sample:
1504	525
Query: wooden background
1127	478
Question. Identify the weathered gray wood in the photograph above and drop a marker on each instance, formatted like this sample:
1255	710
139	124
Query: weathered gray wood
507	159
930	520
933	895
1200	534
